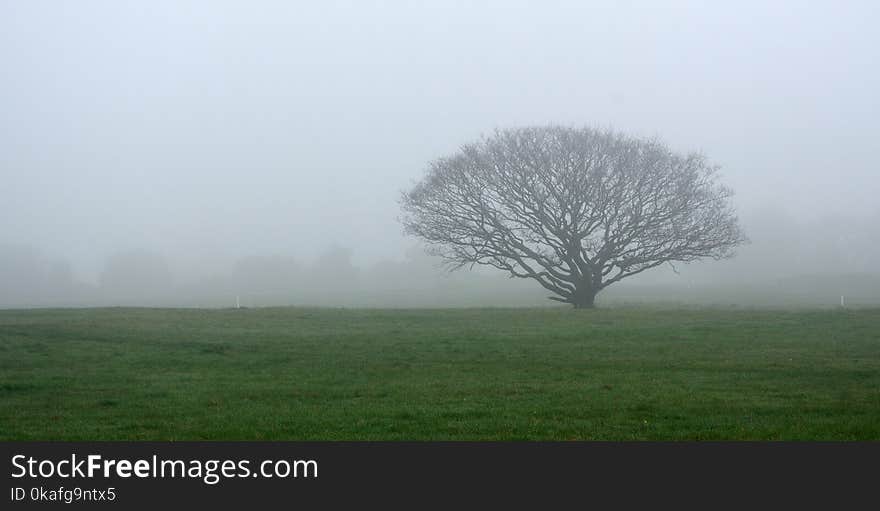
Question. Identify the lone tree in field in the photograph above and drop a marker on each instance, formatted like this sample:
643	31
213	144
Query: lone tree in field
574	209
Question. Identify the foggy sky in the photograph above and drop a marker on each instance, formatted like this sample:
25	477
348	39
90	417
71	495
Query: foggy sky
211	131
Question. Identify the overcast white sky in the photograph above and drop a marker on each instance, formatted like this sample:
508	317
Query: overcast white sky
211	130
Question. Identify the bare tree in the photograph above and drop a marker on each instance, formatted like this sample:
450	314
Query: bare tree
574	209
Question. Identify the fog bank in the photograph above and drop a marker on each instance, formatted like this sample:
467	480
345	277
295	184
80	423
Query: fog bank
183	154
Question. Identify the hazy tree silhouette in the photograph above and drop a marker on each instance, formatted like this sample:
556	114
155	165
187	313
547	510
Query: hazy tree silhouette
574	209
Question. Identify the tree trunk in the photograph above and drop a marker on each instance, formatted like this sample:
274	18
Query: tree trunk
584	299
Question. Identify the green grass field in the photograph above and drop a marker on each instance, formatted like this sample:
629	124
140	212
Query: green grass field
517	374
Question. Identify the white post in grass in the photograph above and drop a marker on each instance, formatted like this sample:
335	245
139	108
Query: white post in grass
842	303
237	302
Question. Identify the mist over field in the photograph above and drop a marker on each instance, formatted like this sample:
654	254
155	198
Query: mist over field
207	153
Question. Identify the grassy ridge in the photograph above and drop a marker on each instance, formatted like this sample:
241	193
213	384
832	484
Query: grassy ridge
290	373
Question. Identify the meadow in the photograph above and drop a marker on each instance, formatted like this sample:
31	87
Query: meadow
619	373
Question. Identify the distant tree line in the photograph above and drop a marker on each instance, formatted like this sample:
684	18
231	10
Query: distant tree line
789	256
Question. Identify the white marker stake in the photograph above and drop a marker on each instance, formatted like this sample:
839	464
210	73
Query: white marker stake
237	302
841	301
